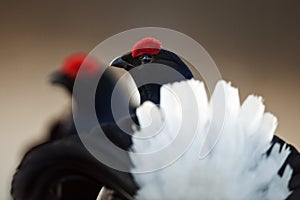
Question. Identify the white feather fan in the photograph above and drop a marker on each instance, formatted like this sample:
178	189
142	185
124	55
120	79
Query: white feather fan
217	149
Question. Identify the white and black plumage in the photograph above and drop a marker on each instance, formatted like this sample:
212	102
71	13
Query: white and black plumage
238	167
248	161
282	158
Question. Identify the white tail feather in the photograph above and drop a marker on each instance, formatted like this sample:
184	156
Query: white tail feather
236	168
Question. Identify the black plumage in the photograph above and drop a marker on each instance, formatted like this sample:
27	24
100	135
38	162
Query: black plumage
56	168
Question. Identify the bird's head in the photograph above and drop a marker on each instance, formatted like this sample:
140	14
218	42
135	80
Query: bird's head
69	71
149	50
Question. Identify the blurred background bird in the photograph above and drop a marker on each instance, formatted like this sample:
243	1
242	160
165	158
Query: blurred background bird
58	178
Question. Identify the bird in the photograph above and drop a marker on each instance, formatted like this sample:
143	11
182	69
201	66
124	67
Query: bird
52	169
288	165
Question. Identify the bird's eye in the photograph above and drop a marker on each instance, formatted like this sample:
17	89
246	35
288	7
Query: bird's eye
146	59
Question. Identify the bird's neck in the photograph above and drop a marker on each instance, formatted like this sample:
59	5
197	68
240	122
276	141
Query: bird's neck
150	92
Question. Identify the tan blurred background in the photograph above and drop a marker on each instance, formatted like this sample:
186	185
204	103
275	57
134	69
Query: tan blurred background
255	44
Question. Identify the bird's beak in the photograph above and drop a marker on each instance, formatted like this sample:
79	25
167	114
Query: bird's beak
56	78
61	79
120	63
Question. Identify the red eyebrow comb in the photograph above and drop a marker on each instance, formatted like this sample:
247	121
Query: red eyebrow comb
146	46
